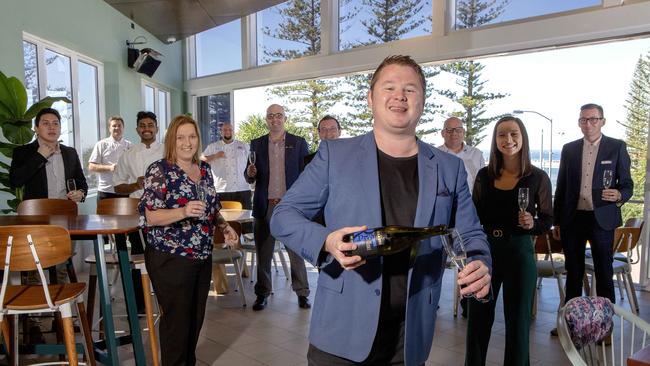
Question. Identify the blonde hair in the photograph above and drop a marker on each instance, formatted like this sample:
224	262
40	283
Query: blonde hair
170	138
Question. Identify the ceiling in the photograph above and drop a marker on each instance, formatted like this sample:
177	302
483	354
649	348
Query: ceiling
177	19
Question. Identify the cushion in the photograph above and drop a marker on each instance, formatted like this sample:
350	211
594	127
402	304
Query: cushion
589	319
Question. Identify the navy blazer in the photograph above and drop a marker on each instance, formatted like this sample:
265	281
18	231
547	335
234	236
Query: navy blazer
612	155
343	180
28	170
295	150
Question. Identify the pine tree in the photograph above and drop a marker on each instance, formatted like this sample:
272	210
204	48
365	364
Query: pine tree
306	101
472	96
637	105
390	21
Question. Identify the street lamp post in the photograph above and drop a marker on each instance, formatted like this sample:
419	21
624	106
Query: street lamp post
550	152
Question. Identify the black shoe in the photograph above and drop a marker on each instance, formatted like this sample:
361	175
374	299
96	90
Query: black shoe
303	302
260	303
554	332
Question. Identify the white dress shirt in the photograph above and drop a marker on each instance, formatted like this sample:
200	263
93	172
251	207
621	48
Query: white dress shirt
134	163
107	151
228	171
473	160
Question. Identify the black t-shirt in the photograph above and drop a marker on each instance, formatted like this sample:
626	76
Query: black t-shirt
398	183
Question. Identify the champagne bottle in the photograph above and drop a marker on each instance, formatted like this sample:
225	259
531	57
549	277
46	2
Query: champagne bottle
389	240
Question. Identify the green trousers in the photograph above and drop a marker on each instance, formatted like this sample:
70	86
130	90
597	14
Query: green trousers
513	266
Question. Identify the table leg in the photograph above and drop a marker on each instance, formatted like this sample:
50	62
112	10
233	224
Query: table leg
105	302
129	297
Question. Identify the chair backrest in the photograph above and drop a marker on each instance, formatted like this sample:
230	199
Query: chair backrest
634	222
234	205
47	206
626	238
546	244
218	235
118	206
587	315
52	245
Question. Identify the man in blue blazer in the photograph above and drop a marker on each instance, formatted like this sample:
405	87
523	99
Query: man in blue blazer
584	209
381	310
279	160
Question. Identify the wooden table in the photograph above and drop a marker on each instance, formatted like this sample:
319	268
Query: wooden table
640	358
93	227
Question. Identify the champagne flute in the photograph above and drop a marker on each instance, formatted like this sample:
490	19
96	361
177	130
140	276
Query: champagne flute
522	198
70	184
607	178
251	157
454	246
202	192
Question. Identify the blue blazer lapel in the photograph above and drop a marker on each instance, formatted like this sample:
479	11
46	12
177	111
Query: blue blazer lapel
368	168
264	155
428	184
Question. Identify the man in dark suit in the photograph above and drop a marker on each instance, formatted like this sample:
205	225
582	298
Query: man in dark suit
280	158
588	208
44	166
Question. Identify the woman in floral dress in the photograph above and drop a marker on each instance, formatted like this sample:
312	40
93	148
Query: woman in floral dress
179	228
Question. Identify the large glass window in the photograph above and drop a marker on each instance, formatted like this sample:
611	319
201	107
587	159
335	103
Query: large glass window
212	112
88	115
475	13
367	22
31	72
59	84
156	99
288	31
219	49
51	70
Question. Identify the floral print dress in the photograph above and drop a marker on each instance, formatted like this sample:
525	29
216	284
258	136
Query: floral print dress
167	186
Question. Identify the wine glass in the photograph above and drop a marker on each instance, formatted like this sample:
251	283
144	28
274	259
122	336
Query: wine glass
607	178
454	246
70	184
202	192
251	157
522	198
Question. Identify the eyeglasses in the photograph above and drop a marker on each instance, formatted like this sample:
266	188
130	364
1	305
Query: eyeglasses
274	115
592	120
328	129
454	130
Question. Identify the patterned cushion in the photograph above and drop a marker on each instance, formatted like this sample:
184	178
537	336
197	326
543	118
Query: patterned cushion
590	319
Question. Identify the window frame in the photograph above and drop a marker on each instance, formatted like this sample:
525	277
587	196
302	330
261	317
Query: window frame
75	57
162	124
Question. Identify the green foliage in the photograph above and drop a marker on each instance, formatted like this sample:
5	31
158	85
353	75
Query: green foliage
16	125
471	96
637	105
300	23
390	21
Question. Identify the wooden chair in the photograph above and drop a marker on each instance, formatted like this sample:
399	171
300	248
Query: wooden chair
549	267
233	205
33	247
625	240
47	206
222	256
125	206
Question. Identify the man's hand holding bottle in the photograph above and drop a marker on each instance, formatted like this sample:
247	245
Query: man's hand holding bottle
335	245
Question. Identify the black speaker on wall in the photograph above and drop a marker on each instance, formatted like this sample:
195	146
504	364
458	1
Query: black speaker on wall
143	61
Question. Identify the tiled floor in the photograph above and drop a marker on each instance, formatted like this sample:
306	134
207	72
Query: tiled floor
237	336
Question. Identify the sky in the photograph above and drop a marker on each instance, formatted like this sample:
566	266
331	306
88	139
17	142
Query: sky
554	83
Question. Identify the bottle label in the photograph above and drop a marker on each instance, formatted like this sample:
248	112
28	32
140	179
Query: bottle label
367	240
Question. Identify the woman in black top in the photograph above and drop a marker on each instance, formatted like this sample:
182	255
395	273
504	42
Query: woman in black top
510	232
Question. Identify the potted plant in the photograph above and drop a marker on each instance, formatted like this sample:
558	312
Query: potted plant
16	125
